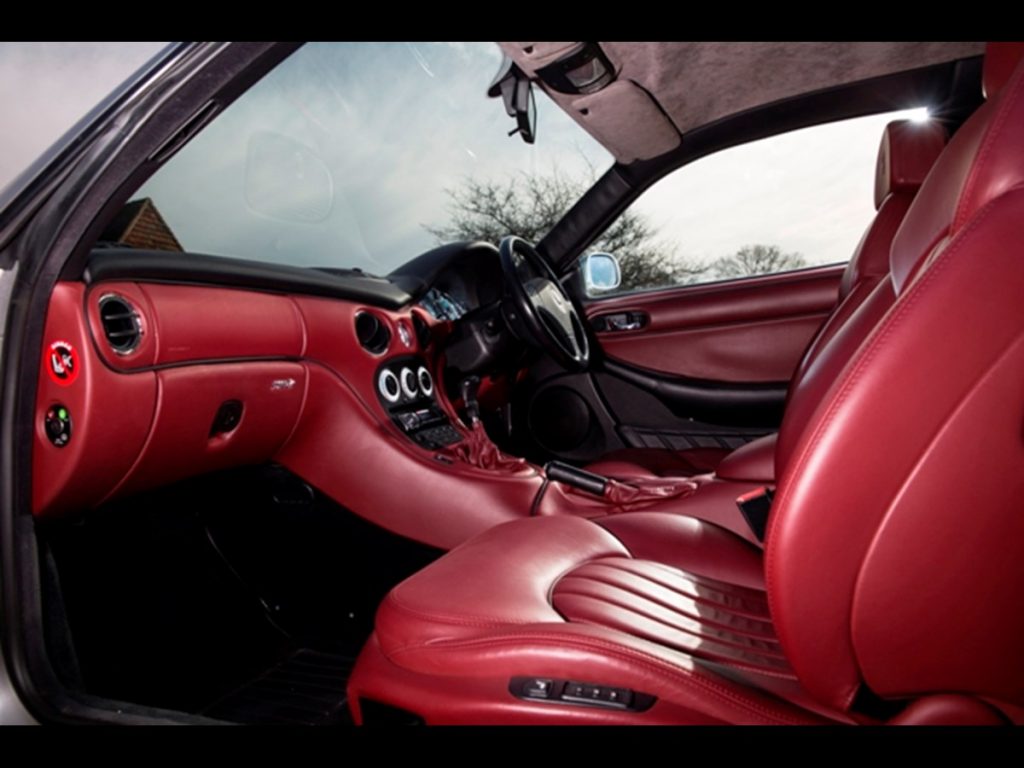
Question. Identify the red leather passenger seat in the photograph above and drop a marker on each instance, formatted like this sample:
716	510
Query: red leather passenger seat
907	152
891	585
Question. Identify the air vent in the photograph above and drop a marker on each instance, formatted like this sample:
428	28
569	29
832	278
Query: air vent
121	324
425	380
373	335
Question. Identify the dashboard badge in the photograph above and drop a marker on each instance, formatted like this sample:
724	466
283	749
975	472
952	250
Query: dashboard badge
62	363
279	385
404	333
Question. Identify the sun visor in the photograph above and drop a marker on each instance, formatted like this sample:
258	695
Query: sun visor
622	116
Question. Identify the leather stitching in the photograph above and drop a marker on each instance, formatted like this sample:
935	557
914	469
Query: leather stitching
715	633
746	612
994	131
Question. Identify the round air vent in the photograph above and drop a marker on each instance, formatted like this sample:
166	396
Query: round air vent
408	379
425	380
373	335
387	385
121	324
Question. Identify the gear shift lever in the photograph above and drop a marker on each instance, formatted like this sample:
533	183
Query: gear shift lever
476	449
470	386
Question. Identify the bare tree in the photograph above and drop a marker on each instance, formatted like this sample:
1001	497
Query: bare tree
530	204
756	260
646	261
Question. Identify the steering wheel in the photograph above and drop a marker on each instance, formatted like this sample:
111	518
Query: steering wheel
540	309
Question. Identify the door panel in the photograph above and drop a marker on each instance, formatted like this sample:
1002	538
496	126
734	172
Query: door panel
707	368
744	331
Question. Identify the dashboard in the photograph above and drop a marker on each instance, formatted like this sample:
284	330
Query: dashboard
159	367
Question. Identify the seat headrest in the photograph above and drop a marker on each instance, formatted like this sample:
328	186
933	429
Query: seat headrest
984	159
908	151
1000	61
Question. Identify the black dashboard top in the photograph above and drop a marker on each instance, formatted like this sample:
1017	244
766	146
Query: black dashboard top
179	267
448	281
469	272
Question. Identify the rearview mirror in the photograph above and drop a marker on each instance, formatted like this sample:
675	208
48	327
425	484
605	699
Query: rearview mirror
601	272
516	92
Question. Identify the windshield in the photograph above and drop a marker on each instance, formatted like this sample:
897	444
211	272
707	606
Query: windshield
357	155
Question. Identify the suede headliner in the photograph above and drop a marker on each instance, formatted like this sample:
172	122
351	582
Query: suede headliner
697	83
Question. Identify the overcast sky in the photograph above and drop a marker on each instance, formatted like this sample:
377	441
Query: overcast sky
343	154
46	87
809	191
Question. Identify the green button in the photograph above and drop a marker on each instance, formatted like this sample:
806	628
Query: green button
62	413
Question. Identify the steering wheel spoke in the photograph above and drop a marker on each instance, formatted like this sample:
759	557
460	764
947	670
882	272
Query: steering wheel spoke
556	326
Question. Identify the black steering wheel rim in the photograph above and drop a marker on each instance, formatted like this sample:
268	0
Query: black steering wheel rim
540	305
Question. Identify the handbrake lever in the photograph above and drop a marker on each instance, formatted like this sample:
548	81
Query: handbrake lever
591	482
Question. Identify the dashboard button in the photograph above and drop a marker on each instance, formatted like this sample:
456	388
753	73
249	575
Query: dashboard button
57	425
538	688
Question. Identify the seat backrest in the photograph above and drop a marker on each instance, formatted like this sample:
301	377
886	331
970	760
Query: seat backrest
895	553
907	153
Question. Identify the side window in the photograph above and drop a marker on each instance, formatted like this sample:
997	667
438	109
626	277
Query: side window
801	199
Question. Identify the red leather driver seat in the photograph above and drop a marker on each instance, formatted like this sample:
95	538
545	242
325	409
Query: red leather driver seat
905	156
893	575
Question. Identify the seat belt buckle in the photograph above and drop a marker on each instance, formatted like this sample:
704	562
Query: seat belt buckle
755	506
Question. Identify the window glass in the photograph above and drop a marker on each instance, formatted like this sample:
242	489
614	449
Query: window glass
797	200
359	155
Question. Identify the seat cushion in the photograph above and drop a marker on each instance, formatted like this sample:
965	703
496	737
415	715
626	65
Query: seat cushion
752	463
651	602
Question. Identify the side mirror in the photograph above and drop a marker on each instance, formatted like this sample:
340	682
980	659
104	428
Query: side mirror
601	272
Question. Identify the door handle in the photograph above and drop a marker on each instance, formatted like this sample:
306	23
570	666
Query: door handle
617	322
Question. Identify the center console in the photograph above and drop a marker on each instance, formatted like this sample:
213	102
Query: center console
405	388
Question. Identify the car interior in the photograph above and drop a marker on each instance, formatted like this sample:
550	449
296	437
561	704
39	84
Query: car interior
476	490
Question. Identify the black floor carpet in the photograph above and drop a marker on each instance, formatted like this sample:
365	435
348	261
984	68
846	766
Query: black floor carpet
188	598
307	688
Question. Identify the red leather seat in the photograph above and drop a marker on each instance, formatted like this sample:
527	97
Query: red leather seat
893	574
907	152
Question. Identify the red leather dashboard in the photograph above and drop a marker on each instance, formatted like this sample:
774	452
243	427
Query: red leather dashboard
143	419
182	324
307	397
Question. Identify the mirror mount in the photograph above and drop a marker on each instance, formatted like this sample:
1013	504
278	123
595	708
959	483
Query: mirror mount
516	92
